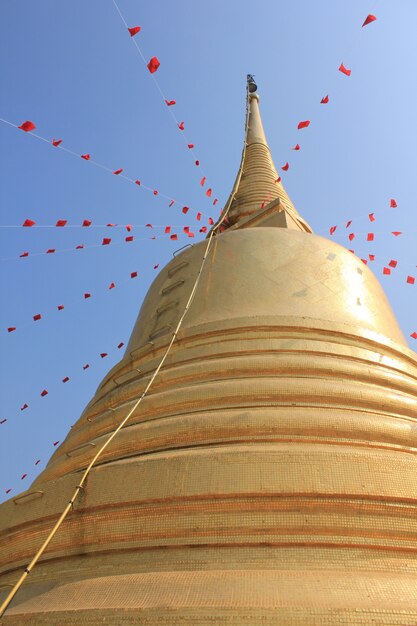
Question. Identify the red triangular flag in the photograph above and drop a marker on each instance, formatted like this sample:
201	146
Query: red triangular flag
137	182
191	146
37	317
202	181
303	124
106	241
11	329
370	237
56	142
386	271
86	223
50	251
112	286
167	230
344	70
393	203
174	237
86	157
198	217
61	223
133	274
208	192
87	295
44	393
121	344
285	167
170	103
28	223
197	163
332	230
65	380
351	236
60	307
411	280
324	100
171	203
27	126
296	147
103	355
181	125
371	217
119	171
134	30
128	239
185	209
393	263
153	65
368	20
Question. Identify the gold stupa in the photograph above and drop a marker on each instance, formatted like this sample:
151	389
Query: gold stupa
270	475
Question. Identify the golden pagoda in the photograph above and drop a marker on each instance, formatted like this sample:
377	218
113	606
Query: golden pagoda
269	476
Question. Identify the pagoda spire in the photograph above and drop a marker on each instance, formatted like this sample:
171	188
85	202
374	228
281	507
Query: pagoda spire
258	192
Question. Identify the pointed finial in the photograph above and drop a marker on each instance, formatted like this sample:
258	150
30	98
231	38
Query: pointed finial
252	86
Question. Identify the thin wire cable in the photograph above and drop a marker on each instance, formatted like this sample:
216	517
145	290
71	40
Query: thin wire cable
80	487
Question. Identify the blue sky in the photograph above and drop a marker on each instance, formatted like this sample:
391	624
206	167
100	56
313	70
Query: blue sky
72	68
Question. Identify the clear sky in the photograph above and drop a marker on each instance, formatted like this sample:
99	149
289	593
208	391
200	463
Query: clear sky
73	69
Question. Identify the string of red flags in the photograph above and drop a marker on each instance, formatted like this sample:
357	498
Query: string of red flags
153	66
325	99
106	241
28	128
45	391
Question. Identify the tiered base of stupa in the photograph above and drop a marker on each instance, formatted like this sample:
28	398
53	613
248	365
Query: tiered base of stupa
268	478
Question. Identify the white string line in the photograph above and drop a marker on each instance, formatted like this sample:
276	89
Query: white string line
164	98
105	168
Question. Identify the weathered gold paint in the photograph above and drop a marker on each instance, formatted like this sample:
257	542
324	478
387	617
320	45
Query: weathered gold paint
270	475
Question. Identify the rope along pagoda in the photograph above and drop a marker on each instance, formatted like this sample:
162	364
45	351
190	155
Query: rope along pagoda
268	475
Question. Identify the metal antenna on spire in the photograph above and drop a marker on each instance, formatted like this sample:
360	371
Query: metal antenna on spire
252	86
